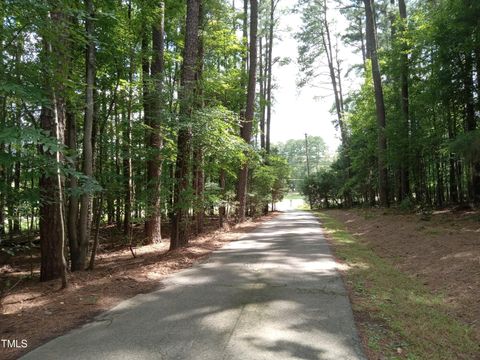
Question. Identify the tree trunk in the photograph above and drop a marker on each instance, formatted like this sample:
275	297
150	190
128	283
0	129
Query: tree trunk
222	209
126	143
52	232
87	166
273	4
52	120
3	117
198	186
198	160
181	201
262	95
379	102
471	125
327	45
362	41
72	211
405	181
127	161
246	129
155	142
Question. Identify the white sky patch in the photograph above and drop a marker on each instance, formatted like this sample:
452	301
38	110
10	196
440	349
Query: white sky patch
306	110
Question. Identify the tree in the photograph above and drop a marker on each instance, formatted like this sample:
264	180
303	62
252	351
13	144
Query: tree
181	201
379	102
155	143
269	72
247	126
79	252
52	120
405	181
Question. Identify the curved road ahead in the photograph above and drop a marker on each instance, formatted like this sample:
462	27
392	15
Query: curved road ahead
274	294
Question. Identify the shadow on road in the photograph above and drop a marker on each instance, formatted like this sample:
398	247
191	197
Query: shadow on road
274	294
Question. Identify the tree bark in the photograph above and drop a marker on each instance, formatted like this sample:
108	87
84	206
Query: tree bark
273	5
222	213
405	175
72	211
198	158
155	141
181	201
52	120
379	103
126	142
52	232
87	165
471	125
246	129
327	45
262	94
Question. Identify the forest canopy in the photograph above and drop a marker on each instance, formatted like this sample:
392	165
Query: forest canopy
158	114
410	134
132	113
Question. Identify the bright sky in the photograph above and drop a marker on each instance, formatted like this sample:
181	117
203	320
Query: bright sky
306	110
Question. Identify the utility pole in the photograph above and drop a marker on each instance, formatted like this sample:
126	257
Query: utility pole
306	153
308	169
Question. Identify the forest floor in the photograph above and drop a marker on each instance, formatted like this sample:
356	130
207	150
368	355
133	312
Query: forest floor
38	312
414	280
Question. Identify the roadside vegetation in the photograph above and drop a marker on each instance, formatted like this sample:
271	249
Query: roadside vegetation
399	316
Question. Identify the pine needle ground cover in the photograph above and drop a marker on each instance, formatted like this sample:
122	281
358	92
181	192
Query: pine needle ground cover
401	312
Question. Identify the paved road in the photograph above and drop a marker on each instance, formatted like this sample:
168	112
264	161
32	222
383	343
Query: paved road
274	294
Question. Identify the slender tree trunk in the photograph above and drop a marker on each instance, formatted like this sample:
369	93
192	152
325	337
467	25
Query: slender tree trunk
3	113
362	41
327	45
379	102
405	176
87	166
246	130
245	40
113	203
127	160
155	142
181	201
273	4
198	160
222	209
16	189
198	186
334	68
262	95
72	211
126	143
471	125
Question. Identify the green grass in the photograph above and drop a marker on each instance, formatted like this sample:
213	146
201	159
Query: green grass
401	318
293	196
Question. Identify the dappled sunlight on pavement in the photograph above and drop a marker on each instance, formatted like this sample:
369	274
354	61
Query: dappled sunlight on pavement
273	294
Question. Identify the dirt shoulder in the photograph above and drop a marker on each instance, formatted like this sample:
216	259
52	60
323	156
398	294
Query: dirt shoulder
407	304
442	250
38	312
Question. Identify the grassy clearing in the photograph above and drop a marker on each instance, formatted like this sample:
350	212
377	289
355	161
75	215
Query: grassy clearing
293	196
397	315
